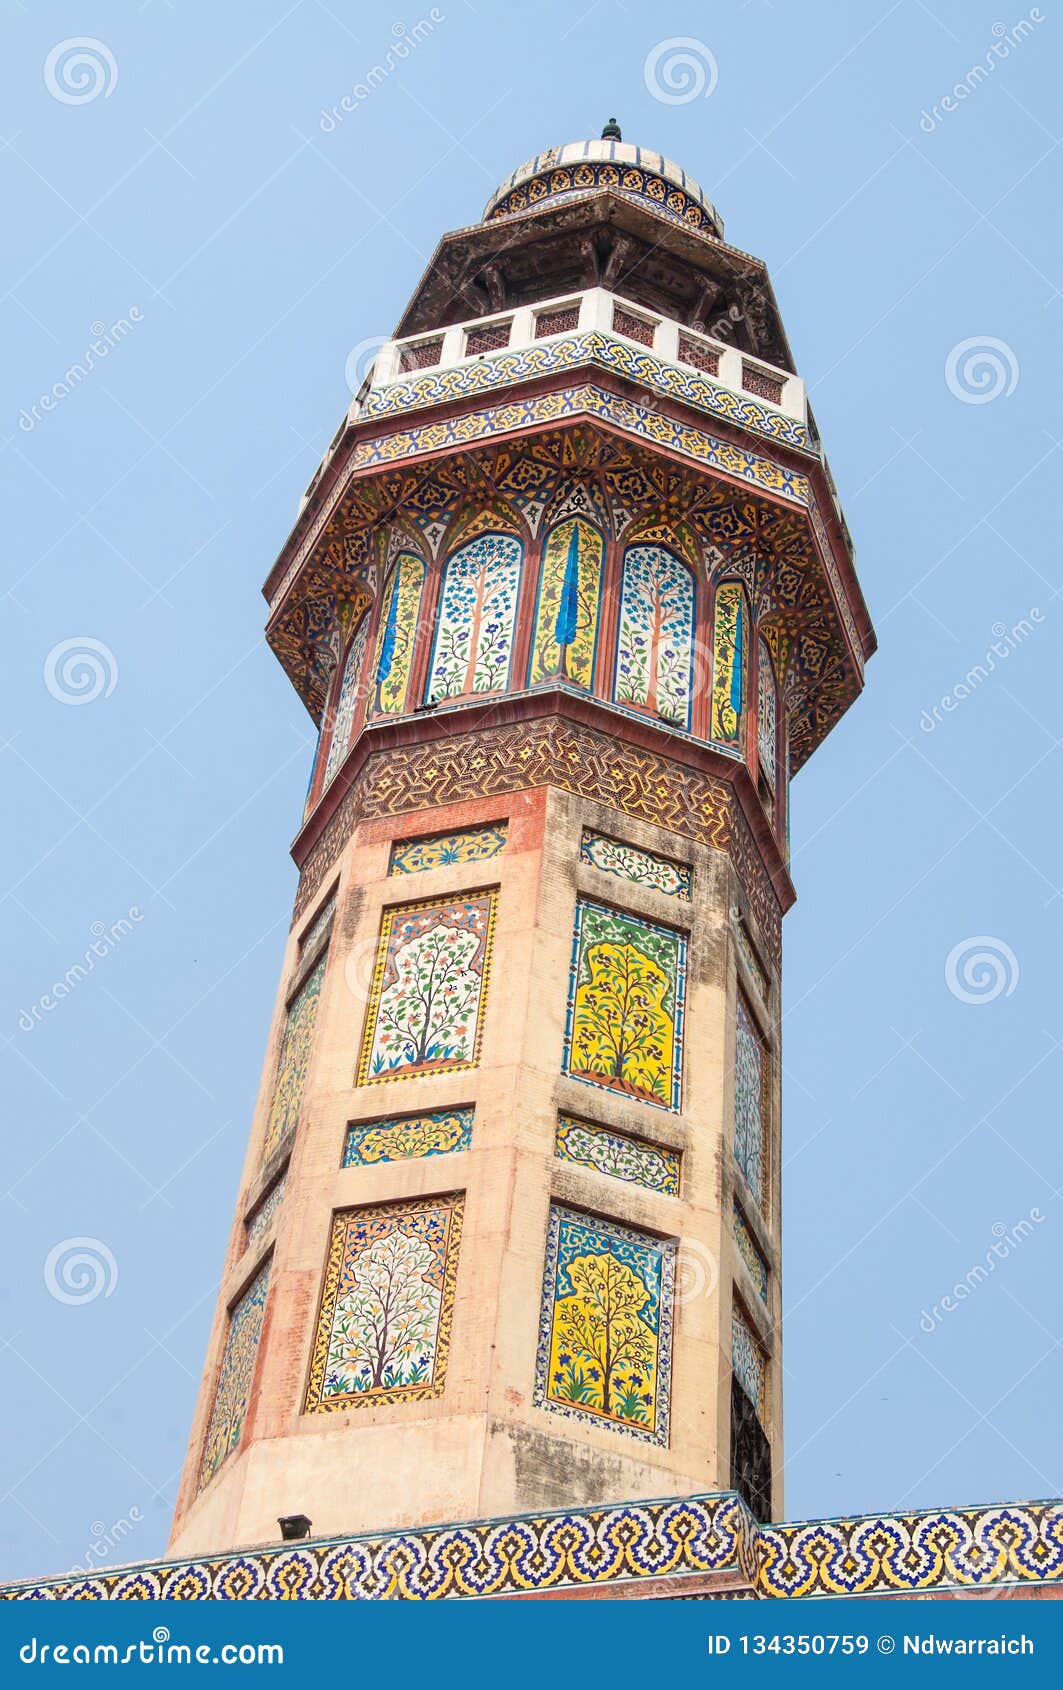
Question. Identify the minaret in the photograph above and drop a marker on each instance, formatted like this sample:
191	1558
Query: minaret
571	598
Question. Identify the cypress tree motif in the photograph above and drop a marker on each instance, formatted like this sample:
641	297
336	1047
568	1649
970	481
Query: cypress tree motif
568	604
736	670
387	644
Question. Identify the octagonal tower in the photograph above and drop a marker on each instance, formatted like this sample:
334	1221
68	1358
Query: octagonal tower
571	599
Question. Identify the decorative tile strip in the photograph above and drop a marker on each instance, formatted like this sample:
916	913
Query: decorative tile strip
438	850
629	862
262	1219
633	1159
1015	1547
674	381
397	1140
749	956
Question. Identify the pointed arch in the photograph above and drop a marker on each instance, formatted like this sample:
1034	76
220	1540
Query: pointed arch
729	638
396	638
345	707
767	716
476	618
565	637
655	634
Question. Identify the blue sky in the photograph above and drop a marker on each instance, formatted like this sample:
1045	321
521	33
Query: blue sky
247	249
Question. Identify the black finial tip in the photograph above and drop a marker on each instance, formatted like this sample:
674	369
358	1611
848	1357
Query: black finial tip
611	132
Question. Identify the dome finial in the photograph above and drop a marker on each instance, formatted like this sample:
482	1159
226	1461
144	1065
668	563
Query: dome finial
611	132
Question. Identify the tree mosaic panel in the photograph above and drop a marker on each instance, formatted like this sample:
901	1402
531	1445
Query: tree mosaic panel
750	1254
728	664
294	1060
767	716
233	1390
566	615
619	1154
427	1000
655	637
627	986
319	931
346	704
475	620
441	850
748	1361
383	1332
641	867
605	1338
397	636
751	1101
435	1133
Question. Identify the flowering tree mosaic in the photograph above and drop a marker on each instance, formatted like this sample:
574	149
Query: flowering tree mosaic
624	1028
606	1324
751	1100
475	620
767	715
728	664
233	1390
655	637
427	1000
397	636
294	1060
384	1327
566	616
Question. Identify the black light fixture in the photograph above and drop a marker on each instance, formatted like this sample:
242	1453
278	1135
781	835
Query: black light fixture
293	1527
611	132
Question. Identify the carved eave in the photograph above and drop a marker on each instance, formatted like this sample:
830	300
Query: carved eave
600	237
794	556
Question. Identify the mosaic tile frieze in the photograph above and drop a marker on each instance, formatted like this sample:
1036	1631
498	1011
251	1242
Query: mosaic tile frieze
475	620
296	1050
655	635
233	1390
436	1133
605	1338
607	352
752	961
427	997
397	637
627	986
441	850
634	863
728	664
751	1101
1014	1548
521	756
383	1330
566	613
624	1157
749	1251
318	931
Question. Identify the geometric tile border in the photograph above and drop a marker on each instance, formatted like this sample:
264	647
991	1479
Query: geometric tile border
966	1551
